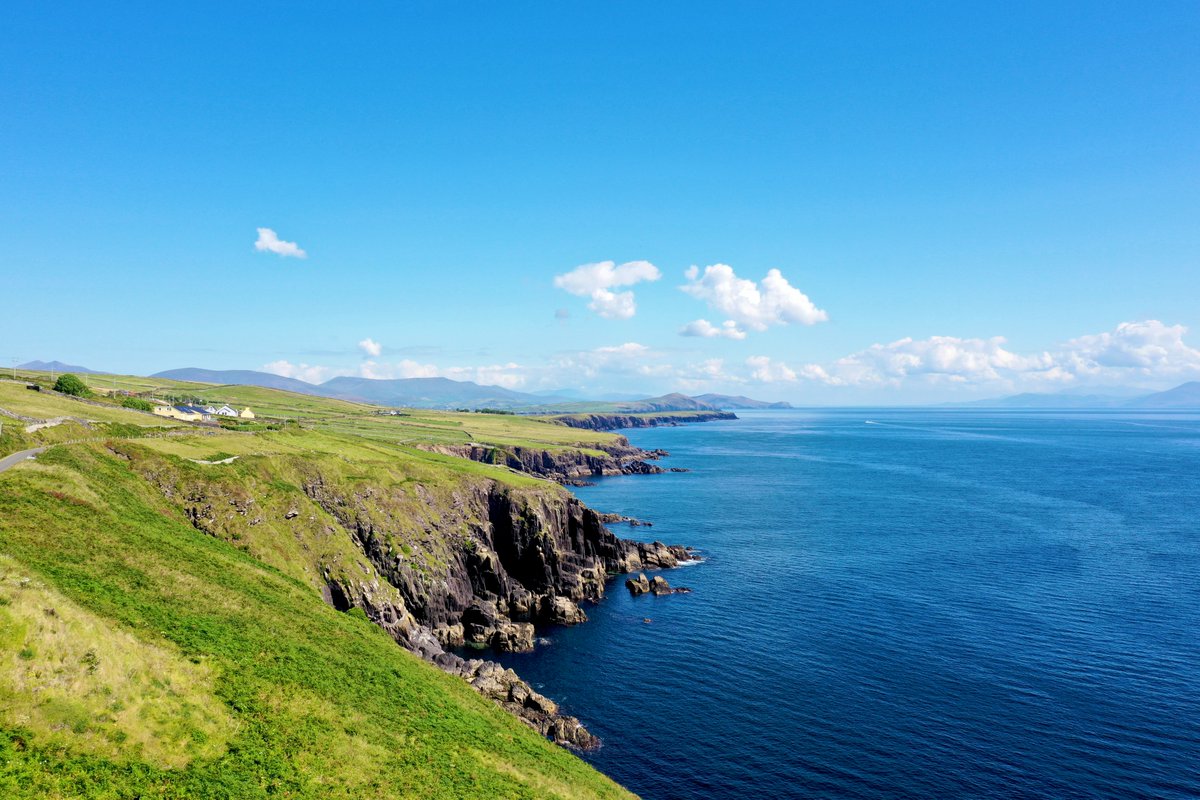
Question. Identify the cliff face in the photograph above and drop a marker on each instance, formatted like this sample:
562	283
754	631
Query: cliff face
612	422
493	556
561	465
438	563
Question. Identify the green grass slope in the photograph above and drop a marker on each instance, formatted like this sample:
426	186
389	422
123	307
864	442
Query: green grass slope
142	658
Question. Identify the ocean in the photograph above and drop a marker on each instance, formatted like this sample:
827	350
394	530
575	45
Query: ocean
902	604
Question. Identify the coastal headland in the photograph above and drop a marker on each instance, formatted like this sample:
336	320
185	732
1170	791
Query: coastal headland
450	532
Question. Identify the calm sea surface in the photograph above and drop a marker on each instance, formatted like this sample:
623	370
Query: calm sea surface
903	604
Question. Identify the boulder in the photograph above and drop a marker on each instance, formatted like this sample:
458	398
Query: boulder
568	731
513	637
561	610
638	585
479	622
520	603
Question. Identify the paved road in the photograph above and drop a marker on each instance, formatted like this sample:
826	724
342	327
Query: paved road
8	462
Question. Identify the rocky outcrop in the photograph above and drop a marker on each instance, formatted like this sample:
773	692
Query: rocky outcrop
511	693
451	560
520	556
568	466
656	586
612	422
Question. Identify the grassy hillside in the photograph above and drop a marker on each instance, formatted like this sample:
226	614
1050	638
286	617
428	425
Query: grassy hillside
145	659
412	427
149	653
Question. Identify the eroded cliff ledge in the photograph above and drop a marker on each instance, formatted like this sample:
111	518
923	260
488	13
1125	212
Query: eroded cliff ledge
439	559
564	465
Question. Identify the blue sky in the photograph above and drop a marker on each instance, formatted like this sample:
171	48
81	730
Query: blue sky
929	176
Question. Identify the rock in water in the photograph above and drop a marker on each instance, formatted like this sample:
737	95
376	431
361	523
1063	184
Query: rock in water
638	585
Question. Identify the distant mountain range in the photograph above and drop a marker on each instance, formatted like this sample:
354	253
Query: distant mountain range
240	377
701	402
429	393
1186	395
446	393
56	366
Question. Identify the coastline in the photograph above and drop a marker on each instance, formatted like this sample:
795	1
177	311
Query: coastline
535	562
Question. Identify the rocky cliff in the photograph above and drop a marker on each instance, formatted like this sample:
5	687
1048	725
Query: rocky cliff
440	561
612	422
565	465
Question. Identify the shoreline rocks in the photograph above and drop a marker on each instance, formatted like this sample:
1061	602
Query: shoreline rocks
656	586
612	422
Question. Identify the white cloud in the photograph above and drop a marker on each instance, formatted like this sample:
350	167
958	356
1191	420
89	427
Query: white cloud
1147	348
703	328
772	301
269	242
598	280
1134	353
308	373
370	347
765	370
936	359
510	375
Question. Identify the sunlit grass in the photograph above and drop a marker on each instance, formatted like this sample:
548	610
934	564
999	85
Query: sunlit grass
288	697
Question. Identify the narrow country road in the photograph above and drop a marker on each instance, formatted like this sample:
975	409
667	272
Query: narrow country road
8	462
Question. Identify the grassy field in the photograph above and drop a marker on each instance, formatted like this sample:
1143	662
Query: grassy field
144	658
16	398
414	427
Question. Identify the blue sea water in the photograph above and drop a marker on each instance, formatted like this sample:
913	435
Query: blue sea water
903	604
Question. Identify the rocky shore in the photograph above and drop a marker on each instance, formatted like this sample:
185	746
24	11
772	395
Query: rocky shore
444	562
613	422
530	558
568	466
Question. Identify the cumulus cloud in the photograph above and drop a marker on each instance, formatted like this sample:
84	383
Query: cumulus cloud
705	329
1132	353
370	347
937	359
765	370
757	306
510	375
597	281
309	373
269	242
1147	348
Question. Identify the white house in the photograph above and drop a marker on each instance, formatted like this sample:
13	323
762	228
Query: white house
225	411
